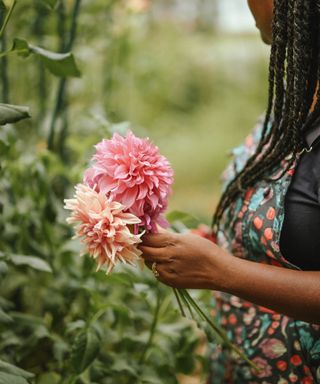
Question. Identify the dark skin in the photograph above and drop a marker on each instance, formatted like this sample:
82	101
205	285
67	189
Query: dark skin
190	261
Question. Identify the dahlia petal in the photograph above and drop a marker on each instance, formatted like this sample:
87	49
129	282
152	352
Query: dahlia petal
121	172
154	199
107	183
89	176
143	190
163	222
129	196
138	208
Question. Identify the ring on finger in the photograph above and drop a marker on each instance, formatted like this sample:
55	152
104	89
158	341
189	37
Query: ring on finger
154	269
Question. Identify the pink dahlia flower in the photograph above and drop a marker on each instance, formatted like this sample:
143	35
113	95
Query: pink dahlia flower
132	171
103	227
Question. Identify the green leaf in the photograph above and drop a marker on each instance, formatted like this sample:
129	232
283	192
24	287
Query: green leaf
12	113
21	47
85	349
120	279
6	378
121	365
6	319
182	217
146	379
31	261
14	370
27	320
59	64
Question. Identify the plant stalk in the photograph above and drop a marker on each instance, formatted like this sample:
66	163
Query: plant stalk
176	293
7	18
61	98
152	330
38	31
184	299
5	97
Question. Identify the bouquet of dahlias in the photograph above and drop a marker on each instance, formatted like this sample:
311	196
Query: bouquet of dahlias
124	194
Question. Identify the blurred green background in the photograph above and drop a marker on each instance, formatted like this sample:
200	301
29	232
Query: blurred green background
190	75
194	89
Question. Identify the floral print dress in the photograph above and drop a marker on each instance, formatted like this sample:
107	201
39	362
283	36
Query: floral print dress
285	350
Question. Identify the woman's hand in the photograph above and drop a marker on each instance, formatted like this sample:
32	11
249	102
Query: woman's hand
190	261
183	260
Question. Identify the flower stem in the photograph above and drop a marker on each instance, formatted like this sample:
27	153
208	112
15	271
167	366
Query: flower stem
217	329
152	330
186	302
177	295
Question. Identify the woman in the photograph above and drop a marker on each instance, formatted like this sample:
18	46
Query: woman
266	263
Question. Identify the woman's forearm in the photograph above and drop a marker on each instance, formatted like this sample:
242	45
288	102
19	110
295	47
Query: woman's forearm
190	261
290	292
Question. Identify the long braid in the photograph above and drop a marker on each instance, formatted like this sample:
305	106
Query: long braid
294	72
238	184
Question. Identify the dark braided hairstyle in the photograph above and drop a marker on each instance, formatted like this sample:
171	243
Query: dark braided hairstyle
294	75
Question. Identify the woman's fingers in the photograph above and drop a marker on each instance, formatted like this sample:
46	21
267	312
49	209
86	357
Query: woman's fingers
152	254
165	272
158	240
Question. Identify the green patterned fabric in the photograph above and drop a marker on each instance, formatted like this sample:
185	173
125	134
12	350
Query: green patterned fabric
286	350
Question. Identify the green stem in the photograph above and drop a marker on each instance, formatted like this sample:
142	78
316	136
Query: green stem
7	18
217	330
5	98
61	98
152	330
176	293
186	302
38	31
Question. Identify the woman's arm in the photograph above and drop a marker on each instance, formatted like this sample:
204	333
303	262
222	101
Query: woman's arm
190	261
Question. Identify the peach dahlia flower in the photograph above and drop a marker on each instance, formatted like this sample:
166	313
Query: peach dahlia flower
103	227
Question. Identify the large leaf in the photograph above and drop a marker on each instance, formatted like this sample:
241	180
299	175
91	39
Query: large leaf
14	370
12	113
59	64
85	349
6	378
31	261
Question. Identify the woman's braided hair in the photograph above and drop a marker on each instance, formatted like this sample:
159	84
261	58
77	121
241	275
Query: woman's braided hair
294	75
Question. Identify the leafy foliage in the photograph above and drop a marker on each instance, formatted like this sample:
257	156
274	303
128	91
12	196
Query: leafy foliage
65	318
59	319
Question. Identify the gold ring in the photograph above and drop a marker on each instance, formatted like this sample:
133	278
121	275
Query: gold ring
154	269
